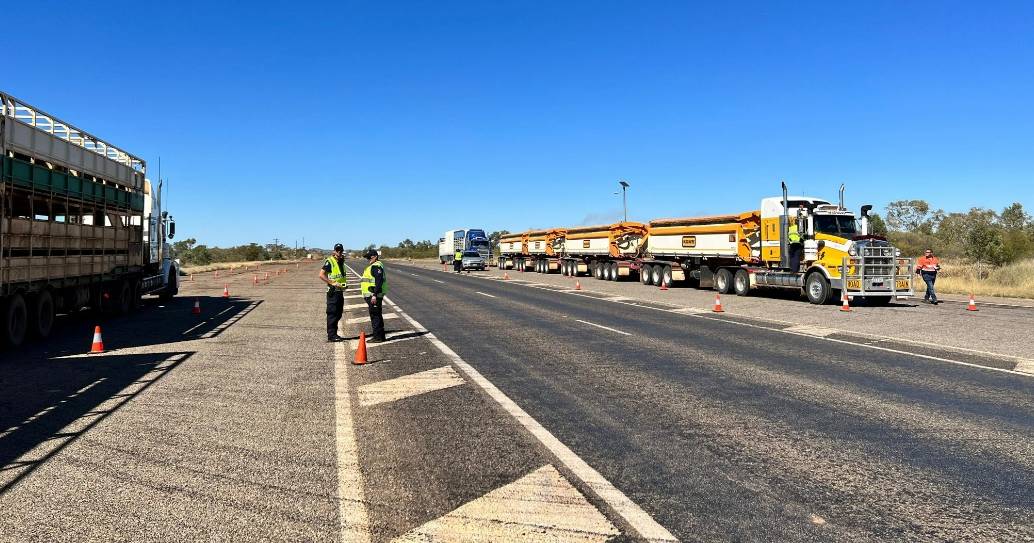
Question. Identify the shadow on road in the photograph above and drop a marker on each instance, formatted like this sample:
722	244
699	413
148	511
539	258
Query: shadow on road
52	392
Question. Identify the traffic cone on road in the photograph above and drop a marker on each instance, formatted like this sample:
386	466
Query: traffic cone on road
254	279
844	306
664	284
578	285
718	303
98	343
197	307
360	351
506	275
226	291
972	303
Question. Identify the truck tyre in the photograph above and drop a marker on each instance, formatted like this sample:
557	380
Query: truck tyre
741	283
816	287
171	290
645	273
41	314
15	320
723	281
124	302
666	276
655	275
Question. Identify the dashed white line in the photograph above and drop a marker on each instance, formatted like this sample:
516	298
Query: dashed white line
615	330
484	294
437	281
358	320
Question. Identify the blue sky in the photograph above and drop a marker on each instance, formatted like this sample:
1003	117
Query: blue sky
377	121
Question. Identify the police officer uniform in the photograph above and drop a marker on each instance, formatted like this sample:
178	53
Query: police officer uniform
457	261
374	287
334	275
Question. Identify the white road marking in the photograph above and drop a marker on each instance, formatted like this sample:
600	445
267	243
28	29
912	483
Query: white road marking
541	506
808	330
438	281
640	521
357	320
357	306
615	330
352	513
414	275
392	337
688	310
484	294
409	385
353	296
1025	366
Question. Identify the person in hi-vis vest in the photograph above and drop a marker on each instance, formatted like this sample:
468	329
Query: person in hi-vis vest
333	274
374	287
457	261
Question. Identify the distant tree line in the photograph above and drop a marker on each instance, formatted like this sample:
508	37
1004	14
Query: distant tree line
978	235
191	253
408	248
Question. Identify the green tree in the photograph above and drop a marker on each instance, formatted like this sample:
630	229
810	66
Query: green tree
912	216
984	243
876	225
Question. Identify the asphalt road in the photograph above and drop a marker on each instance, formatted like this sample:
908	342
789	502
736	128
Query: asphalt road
499	411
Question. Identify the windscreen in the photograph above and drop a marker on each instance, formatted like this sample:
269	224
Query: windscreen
836	225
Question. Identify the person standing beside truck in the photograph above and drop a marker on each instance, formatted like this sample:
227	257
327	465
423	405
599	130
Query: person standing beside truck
927	267
457	261
793	238
333	274
374	287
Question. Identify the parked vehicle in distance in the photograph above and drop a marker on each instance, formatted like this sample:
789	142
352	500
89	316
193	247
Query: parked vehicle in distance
81	225
471	239
472	260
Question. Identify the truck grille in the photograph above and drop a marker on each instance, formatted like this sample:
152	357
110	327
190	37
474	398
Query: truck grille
879	261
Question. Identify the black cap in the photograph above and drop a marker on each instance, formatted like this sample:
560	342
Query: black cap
370	254
339	247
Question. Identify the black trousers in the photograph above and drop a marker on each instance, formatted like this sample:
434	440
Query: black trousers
376	320
457	265
335	306
796	250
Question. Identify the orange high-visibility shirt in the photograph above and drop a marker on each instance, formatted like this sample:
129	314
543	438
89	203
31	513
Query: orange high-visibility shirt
928	264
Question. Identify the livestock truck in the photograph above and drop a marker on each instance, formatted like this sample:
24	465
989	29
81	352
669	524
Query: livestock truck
466	239
747	251
81	225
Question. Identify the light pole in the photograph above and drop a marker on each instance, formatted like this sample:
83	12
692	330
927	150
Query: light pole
624	197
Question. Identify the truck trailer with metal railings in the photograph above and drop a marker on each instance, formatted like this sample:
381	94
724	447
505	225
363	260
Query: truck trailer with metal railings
747	251
534	250
81	226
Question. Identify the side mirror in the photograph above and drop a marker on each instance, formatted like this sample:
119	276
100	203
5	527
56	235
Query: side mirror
172	229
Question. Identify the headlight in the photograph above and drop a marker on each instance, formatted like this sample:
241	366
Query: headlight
897	253
852	251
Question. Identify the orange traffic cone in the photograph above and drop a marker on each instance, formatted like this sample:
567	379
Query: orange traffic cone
98	343
578	285
664	284
254	279
844	306
718	303
226	291
506	275
360	352
197	307
972	303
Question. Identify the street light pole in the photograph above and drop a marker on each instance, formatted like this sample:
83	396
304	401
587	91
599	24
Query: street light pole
624	197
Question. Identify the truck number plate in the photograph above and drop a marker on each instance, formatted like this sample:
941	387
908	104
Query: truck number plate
854	284
901	284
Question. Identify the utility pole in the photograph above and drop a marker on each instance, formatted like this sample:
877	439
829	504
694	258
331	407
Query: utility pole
624	197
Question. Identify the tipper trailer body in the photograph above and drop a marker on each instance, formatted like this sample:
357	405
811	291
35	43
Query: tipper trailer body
81	225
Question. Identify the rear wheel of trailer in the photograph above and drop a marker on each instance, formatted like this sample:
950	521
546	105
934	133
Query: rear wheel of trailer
741	282
41	314
723	281
15	320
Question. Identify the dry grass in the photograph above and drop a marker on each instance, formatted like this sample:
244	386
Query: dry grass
233	265
958	277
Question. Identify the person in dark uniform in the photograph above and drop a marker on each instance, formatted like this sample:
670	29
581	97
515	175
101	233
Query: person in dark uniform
457	261
374	287
333	274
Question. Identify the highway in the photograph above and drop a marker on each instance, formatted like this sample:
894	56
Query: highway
504	410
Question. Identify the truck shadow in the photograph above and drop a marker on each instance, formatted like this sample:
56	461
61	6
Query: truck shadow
52	392
47	405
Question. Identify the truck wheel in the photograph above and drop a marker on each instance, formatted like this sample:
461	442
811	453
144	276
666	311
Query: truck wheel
42	314
124	302
741	283
817	288
171	290
666	276
645	273
15	321
655	275
723	281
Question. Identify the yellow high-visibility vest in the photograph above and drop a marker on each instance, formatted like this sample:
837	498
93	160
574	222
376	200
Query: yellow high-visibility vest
459	255
366	286
336	275
794	236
